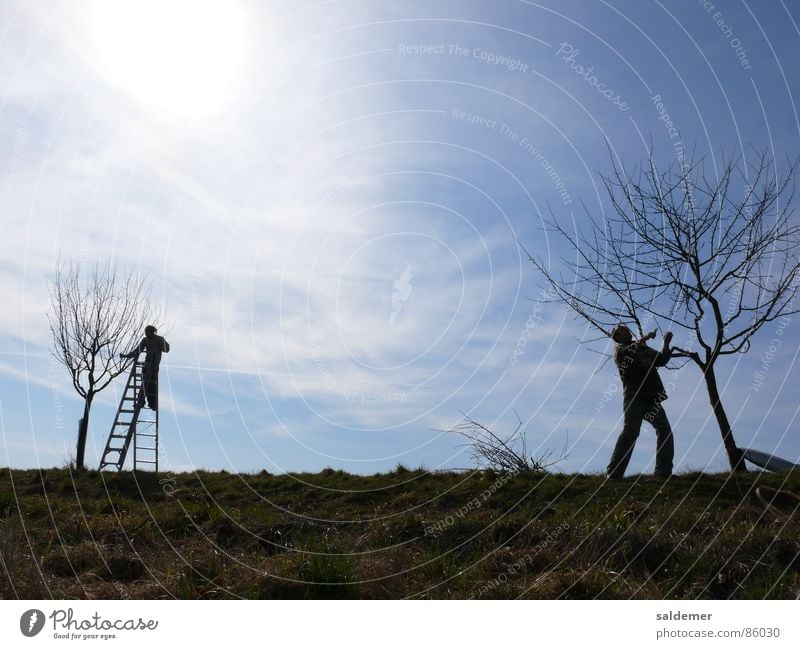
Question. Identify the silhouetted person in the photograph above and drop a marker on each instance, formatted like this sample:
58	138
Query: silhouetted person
153	345
642	394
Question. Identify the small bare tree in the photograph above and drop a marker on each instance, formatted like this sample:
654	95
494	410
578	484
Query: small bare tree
506	453
95	315
714	256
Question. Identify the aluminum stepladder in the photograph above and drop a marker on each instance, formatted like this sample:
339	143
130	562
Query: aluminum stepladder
133	423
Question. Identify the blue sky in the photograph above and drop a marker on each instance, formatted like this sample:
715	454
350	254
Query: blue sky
328	195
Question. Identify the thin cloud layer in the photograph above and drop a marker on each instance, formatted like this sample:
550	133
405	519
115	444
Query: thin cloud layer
337	246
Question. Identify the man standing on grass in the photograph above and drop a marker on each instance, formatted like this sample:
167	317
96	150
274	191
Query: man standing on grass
642	394
153	345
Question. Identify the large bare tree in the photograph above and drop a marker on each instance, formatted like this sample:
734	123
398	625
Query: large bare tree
713	254
95	314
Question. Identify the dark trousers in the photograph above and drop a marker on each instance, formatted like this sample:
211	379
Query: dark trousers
636	412
149	386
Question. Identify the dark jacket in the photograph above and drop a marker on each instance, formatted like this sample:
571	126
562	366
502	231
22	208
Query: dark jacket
637	370
153	346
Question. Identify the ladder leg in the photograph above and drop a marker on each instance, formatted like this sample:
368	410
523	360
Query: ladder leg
124	429
129	427
145	440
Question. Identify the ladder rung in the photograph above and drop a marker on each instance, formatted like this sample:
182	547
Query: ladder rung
132	404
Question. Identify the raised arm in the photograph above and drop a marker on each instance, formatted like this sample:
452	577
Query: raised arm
134	352
666	351
643	340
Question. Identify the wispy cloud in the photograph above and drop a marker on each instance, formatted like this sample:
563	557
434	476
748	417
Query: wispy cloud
336	250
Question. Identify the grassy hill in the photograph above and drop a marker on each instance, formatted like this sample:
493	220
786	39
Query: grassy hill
402	534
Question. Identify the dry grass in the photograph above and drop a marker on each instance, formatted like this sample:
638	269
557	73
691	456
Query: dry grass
406	534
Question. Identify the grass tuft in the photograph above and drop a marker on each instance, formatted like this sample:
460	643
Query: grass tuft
402	534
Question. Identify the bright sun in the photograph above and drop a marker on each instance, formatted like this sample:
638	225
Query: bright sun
179	56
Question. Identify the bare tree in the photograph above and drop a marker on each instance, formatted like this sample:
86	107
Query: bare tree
95	315
714	256
506	453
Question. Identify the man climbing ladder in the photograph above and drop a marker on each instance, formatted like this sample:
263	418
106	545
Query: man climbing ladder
153	345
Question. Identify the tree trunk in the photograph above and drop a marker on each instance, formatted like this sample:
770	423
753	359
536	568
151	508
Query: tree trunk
83	430
735	456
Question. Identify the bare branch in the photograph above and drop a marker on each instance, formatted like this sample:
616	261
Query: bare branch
690	249
507	454
96	314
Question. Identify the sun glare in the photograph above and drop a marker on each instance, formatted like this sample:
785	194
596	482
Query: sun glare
179	56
